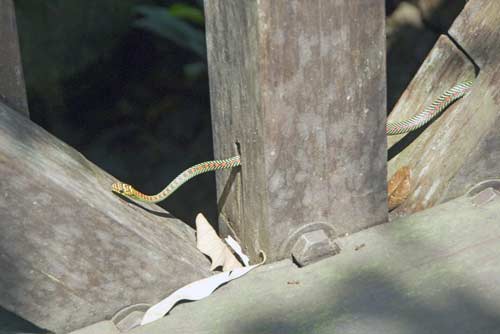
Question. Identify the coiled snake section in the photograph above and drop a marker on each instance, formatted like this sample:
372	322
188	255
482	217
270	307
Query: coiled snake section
394	128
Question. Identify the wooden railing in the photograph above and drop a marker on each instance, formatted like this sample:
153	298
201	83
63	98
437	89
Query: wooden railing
298	90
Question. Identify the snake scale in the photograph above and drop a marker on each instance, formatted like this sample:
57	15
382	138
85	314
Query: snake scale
394	128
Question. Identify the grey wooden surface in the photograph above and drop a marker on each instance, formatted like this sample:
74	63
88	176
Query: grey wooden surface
12	89
463	146
434	272
477	32
444	67
300	87
71	252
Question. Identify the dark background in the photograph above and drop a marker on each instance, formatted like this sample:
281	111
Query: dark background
125	82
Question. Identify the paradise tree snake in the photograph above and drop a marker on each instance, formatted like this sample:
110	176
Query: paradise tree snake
395	128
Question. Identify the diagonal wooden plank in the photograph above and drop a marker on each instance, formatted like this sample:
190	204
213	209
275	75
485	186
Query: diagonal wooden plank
445	66
71	252
478	34
476	31
12	89
444	151
442	68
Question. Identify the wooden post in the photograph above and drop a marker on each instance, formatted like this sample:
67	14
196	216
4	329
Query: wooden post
298	89
12	89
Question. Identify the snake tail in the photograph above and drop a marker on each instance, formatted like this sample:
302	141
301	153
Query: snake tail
207	166
431	111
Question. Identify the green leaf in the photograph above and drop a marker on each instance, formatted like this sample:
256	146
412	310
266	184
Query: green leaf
159	21
187	12
194	70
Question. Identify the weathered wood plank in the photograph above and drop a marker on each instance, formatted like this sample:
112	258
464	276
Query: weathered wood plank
480	165
12	89
444	67
480	38
71	252
457	142
445	158
300	86
434	272
476	31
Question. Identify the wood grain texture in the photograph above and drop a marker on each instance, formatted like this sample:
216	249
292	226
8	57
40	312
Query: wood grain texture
427	152
476	30
433	272
444	158
71	252
12	89
301	87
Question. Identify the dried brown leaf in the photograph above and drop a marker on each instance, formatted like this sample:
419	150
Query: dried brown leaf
398	188
209	243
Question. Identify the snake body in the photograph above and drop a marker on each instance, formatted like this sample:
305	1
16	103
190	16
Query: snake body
207	166
392	128
431	111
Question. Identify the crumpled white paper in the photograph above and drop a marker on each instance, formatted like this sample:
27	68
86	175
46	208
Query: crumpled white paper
194	291
237	249
202	288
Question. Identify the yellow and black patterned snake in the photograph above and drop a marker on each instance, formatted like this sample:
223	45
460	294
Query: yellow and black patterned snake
413	123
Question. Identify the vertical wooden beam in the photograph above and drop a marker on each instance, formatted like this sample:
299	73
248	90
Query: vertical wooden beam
12	89
298	89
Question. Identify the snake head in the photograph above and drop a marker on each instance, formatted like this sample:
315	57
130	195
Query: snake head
123	189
